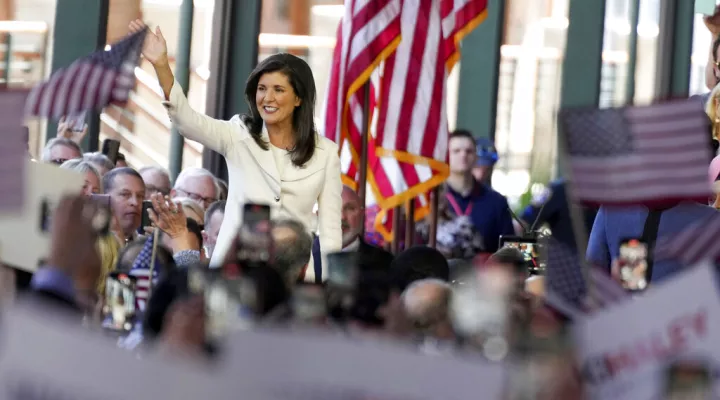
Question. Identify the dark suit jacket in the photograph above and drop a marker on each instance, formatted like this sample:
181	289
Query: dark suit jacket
370	255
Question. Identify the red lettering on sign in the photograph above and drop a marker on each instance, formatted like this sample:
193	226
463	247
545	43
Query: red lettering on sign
678	336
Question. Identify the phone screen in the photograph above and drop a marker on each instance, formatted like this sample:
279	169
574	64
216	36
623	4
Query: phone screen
76	122
111	148
529	249
222	305
688	380
632	264
144	216
255	234
343	269
103	214
308	302
119	311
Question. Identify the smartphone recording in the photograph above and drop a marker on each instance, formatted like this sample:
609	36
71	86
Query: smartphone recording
255	239
308	303
119	310
102	214
632	264
530	249
111	149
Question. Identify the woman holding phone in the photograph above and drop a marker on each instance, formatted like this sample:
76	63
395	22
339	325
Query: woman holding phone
274	154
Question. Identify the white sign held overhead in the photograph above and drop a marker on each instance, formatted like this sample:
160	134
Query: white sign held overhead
705	7
624	350
22	239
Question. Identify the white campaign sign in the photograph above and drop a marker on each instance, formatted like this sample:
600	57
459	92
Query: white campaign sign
23	244
45	357
624	350
324	366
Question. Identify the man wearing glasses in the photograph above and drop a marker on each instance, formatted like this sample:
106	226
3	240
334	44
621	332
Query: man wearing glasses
59	149
156	180
198	184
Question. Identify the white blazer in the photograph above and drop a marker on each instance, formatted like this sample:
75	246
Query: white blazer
254	178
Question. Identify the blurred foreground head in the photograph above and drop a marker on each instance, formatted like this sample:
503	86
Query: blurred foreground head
416	263
427	303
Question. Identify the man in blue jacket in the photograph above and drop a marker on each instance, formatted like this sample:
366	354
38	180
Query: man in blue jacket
487	209
614	225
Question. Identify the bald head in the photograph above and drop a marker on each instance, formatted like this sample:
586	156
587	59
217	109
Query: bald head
427	301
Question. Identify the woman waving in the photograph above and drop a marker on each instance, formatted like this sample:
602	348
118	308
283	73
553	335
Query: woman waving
274	154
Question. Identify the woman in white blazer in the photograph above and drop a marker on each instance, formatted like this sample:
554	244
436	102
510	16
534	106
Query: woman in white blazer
274	154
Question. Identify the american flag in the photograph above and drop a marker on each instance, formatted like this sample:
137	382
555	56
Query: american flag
90	83
565	285
367	34
141	270
407	146
695	243
652	155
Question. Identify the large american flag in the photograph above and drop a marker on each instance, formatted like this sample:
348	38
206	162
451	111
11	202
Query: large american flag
565	285
408	143
90	83
368	33
652	155
693	244
142	271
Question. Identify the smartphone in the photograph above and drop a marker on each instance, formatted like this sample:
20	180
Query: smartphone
255	235
343	270
110	149
144	216
341	285
76	122
103	214
308	303
689	379
119	310
530	249
632	262
222	305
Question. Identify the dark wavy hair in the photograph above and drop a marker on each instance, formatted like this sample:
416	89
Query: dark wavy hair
301	78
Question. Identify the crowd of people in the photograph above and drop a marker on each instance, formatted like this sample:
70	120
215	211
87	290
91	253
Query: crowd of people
186	279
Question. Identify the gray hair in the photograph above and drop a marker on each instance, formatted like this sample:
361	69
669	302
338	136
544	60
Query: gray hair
192	205
81	166
154	168
196	171
99	159
58	141
291	254
423	309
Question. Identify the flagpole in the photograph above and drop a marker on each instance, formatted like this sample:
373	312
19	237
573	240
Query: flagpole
434	200
576	215
365	135
153	258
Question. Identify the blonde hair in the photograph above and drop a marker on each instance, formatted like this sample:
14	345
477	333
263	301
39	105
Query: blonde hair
109	248
711	109
79	165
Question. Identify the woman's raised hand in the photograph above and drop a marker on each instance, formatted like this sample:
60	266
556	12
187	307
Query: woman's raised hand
155	46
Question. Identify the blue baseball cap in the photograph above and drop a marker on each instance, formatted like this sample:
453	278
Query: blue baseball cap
487	155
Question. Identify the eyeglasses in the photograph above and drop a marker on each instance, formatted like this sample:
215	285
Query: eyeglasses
58	161
152	189
205	200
